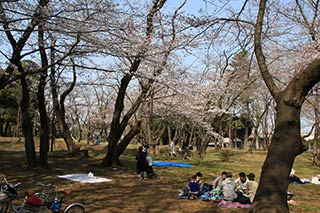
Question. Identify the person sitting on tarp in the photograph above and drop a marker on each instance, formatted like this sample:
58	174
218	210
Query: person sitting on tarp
241	182
252	186
204	187
229	191
228	188
218	181
241	189
194	187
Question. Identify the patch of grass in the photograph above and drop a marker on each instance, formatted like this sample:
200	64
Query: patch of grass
127	193
310	208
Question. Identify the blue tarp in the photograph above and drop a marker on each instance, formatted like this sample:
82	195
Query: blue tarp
176	164
297	182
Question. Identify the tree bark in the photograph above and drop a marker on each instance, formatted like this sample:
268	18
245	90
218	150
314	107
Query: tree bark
315	160
286	143
44	126
127	139
26	123
59	108
271	195
119	123
117	129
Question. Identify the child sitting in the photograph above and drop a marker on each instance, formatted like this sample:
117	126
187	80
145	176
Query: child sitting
199	178
194	187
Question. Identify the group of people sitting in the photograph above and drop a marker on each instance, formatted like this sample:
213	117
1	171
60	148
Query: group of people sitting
241	190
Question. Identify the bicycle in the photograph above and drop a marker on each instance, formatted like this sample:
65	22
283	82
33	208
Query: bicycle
8	193
54	205
37	202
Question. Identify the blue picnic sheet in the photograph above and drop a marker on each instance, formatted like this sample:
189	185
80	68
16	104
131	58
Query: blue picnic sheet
167	163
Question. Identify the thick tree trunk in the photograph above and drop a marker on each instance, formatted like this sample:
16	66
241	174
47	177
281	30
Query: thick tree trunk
117	129
127	139
271	195
286	141
111	159
118	125
27	125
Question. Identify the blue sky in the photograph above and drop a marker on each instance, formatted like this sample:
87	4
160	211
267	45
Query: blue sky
193	6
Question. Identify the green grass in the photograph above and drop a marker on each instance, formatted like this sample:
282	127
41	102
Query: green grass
159	195
310	208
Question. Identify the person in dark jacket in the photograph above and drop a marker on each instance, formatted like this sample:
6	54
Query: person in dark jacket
194	187
142	164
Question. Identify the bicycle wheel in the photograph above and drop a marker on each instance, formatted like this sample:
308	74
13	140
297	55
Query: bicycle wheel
74	208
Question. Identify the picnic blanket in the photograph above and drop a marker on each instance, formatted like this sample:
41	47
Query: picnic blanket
313	180
84	178
174	164
229	204
203	195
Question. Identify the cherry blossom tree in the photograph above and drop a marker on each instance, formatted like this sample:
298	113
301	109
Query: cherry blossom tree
289	99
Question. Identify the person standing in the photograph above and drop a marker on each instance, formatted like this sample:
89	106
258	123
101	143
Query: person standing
172	151
142	164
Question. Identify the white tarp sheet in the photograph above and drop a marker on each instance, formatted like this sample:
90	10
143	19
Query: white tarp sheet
84	178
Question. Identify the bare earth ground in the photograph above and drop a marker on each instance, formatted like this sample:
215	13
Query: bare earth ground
127	193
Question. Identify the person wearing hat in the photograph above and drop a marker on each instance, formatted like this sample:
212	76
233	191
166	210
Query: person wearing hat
252	186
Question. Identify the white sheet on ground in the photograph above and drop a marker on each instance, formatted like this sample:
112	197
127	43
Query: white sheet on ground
315	180
84	178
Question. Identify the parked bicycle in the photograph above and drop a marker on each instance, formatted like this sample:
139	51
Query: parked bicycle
36	202
8	193
55	204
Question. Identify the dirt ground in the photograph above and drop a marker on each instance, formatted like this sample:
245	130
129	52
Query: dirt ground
126	192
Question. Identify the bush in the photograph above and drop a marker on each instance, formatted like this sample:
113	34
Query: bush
226	154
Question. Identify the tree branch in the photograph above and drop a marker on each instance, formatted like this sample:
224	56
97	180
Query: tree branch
274	90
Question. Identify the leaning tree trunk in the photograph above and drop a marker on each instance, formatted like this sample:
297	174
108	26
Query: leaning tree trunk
59	108
127	139
66	134
117	126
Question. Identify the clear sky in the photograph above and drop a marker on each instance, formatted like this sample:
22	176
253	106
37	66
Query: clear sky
193	6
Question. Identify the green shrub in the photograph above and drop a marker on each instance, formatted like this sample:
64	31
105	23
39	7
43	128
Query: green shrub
226	154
